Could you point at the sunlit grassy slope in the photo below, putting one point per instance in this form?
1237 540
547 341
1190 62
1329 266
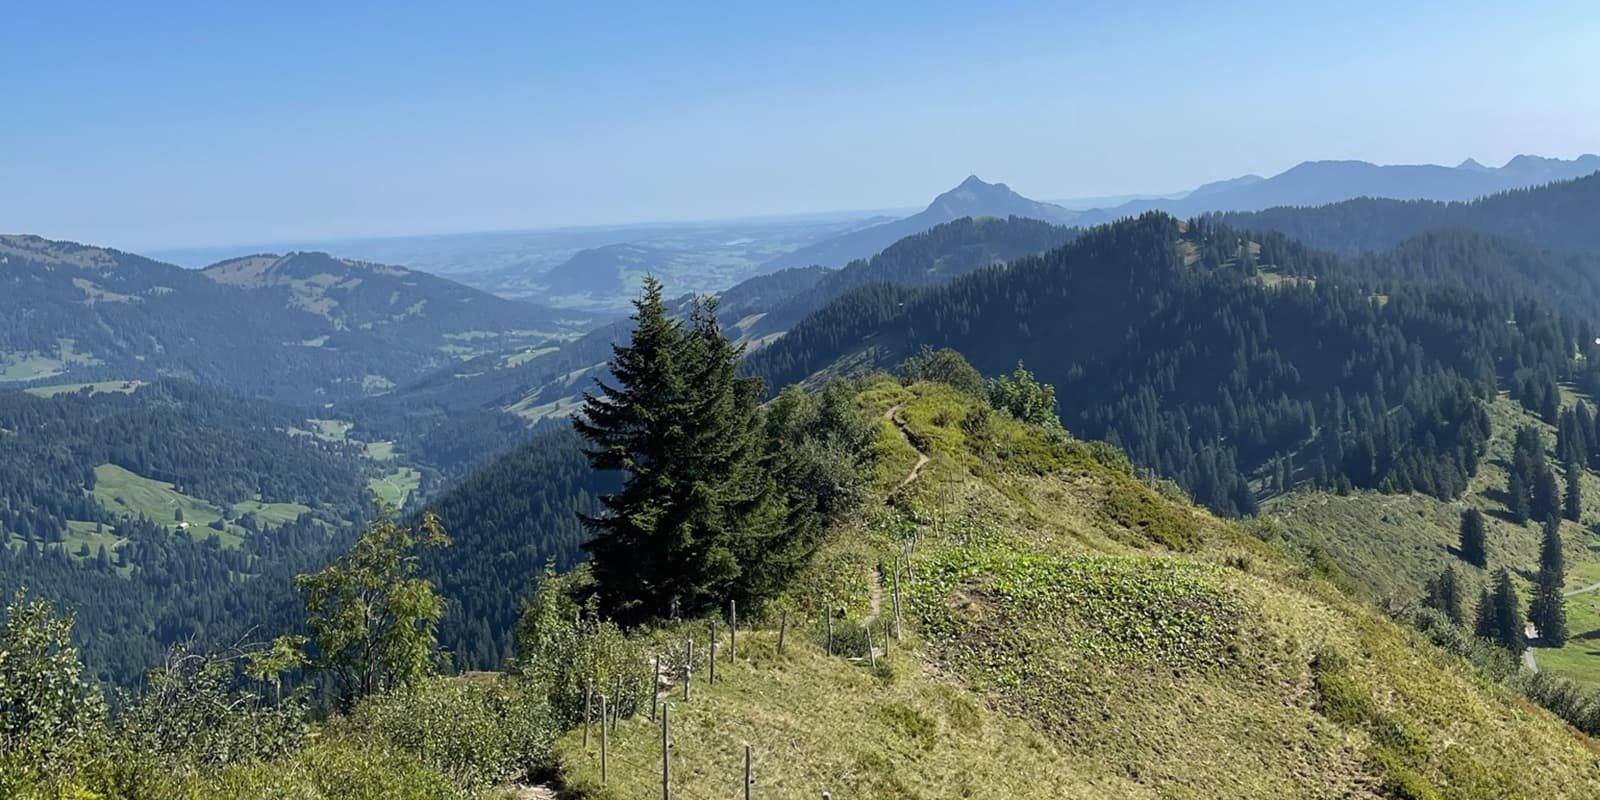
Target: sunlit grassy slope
1071 633
1390 545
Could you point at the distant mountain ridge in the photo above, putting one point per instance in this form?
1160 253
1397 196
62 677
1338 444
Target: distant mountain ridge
1562 215
971 198
300 327
1313 183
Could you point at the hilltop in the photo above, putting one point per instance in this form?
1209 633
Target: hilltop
1068 632
972 198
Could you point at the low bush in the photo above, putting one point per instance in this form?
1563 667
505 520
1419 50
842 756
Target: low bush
477 733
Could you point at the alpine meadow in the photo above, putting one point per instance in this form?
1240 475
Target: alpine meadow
514 403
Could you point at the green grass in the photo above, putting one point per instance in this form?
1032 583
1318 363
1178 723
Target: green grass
380 450
396 486
124 492
28 367
101 387
518 359
1058 646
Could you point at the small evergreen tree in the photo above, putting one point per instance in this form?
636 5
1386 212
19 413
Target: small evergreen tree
1474 545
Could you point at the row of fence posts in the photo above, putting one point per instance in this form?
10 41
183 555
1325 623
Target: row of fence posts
663 709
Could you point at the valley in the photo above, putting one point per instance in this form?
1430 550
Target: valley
1219 471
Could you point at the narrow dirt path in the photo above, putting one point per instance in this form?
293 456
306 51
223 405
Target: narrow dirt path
1585 590
875 604
922 458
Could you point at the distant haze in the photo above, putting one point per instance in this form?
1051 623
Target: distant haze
139 127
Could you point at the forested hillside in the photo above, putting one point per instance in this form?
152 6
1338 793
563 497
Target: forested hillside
168 511
507 522
1219 360
301 328
1559 215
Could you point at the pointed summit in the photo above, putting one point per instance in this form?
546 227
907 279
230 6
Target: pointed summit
1472 164
973 197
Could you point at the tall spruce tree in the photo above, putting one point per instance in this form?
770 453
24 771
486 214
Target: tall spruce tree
1546 500
699 519
642 544
1548 610
1508 627
1474 544
1517 503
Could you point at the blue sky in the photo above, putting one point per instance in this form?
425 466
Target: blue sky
155 125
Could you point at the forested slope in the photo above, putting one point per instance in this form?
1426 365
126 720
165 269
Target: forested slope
1559 215
1213 357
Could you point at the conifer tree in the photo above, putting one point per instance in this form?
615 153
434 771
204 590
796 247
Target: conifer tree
642 545
1517 496
1474 545
700 518
1573 502
1508 627
1546 500
1547 610
1444 594
1483 621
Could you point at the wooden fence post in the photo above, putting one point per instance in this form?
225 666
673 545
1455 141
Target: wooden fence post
666 761
603 771
588 704
747 780
733 630
688 669
783 629
655 689
897 596
830 631
711 677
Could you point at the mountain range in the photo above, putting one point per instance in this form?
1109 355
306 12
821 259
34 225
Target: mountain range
304 326
1309 183
1313 183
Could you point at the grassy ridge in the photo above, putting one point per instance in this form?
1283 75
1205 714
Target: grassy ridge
1071 633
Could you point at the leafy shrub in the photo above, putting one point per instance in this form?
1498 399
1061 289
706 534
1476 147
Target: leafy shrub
477 733
563 656
191 713
51 719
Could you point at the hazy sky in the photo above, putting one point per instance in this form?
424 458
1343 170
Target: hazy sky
142 125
